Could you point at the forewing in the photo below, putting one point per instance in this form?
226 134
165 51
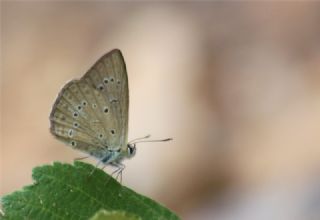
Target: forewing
109 76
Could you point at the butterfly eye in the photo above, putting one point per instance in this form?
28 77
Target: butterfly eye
131 150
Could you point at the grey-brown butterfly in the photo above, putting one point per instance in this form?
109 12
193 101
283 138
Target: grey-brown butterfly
91 114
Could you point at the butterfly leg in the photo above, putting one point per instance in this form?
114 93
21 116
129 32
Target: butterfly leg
118 171
81 158
96 168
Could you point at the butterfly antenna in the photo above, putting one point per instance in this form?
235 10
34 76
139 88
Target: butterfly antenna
140 138
161 140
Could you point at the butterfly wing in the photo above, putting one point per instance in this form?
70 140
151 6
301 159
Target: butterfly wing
109 76
91 118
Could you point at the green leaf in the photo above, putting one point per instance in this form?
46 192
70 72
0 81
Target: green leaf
64 191
114 215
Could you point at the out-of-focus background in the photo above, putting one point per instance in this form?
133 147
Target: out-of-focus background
237 85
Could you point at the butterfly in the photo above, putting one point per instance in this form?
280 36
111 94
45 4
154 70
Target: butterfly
90 114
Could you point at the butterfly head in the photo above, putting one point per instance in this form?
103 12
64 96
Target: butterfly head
131 150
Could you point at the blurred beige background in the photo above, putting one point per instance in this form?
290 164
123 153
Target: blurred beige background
237 85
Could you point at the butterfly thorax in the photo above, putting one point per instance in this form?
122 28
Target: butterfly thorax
112 156
116 156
